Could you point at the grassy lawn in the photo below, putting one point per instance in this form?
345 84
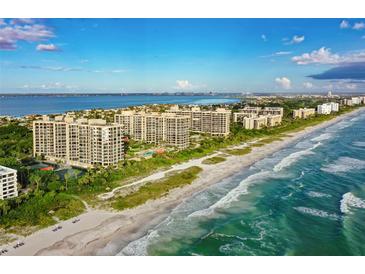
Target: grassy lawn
213 160
155 190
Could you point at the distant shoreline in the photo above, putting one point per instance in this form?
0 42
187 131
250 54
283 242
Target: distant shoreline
117 94
40 104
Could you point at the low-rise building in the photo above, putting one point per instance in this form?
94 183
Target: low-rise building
303 113
256 111
8 183
262 121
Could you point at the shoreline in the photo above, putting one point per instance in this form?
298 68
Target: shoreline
106 233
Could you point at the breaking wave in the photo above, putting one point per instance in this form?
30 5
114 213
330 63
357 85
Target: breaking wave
138 247
322 137
359 144
292 158
315 194
233 195
349 200
316 212
344 164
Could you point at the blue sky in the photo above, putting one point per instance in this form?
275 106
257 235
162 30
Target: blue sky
154 55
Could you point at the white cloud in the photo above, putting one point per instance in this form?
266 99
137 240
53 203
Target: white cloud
276 54
345 24
22 21
351 86
342 85
283 82
308 85
279 53
57 85
263 37
321 56
47 47
118 70
183 84
186 85
359 26
325 56
11 34
2 22
297 39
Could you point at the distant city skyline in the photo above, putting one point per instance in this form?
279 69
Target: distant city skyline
182 55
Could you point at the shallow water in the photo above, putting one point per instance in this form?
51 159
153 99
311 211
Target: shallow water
307 199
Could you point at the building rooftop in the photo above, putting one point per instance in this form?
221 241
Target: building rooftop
4 170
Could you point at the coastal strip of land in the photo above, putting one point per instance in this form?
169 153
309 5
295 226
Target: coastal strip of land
98 230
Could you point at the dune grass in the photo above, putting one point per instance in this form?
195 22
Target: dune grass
155 190
213 160
239 151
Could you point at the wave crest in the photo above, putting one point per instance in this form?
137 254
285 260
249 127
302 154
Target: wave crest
344 164
316 212
292 158
349 200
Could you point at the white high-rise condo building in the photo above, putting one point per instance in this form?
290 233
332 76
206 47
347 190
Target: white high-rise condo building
327 108
8 183
214 122
81 142
156 128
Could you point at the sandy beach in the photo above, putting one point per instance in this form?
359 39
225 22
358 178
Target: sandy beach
97 230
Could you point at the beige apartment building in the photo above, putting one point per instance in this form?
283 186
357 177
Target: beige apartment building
262 121
255 112
303 113
258 118
8 183
84 143
156 128
214 122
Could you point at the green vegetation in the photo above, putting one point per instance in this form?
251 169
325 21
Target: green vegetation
155 190
39 209
239 151
45 196
213 160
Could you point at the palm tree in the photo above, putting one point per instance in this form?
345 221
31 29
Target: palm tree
35 179
4 207
67 177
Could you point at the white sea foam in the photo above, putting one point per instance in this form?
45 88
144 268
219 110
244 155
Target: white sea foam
233 195
138 247
322 137
315 194
359 144
292 158
349 200
299 177
316 212
344 164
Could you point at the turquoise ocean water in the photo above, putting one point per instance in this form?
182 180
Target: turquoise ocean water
307 199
